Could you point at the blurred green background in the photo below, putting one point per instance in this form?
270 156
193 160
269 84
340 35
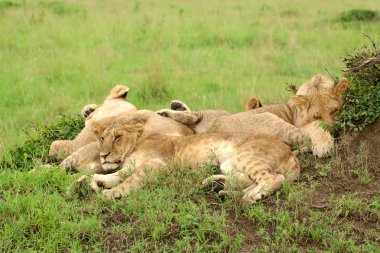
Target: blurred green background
57 56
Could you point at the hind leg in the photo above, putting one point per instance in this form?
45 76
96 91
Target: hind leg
267 184
269 179
264 161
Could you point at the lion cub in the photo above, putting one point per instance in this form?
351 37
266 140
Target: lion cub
256 164
318 100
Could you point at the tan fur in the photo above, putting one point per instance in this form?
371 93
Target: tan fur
87 157
318 84
114 105
255 164
253 103
322 103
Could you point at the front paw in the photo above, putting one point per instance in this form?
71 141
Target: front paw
177 105
164 112
100 181
88 109
323 149
112 194
217 182
97 182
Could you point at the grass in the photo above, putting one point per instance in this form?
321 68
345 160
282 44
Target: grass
60 55
172 215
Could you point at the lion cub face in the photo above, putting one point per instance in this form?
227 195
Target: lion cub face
323 106
116 142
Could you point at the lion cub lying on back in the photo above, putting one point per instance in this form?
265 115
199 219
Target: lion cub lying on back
257 164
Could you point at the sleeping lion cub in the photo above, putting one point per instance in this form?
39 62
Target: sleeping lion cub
256 164
318 100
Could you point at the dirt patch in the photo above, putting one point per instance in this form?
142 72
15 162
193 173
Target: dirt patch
353 173
357 156
241 225
369 136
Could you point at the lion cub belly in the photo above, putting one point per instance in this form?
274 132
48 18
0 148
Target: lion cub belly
203 149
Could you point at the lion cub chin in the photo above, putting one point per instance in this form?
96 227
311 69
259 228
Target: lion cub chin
253 165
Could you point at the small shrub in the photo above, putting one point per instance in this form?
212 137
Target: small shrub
358 15
35 148
362 106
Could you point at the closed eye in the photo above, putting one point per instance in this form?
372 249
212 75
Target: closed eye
117 138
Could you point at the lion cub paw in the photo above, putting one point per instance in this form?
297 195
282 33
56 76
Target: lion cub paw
164 112
88 109
323 149
100 181
217 182
112 194
251 198
177 105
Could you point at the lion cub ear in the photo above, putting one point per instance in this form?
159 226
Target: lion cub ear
97 129
253 103
341 87
119 91
300 101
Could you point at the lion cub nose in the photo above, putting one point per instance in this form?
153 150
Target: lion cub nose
103 156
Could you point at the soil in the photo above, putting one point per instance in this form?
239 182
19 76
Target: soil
369 136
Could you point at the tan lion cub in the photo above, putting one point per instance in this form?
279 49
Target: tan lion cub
257 164
114 105
321 103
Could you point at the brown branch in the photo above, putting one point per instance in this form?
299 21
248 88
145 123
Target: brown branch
291 87
367 63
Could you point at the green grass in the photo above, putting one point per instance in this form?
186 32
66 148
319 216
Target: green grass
60 55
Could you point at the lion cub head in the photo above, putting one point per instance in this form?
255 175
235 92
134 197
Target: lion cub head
117 139
318 84
115 104
321 103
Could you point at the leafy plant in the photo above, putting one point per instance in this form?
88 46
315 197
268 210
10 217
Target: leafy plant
39 136
362 105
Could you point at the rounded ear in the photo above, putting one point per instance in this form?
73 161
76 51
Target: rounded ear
301 101
119 91
341 87
316 80
253 103
97 129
